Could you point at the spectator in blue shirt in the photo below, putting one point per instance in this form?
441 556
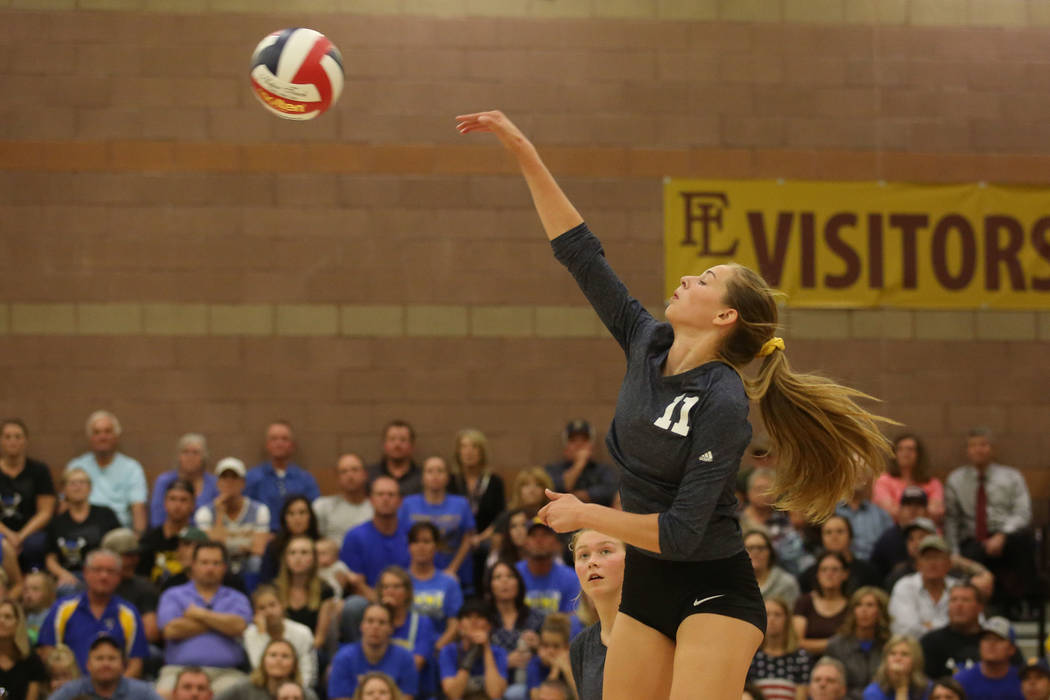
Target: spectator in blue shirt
994 678
413 630
435 593
371 547
106 676
273 481
550 586
191 462
117 481
78 621
374 652
473 664
368 549
203 621
868 521
451 514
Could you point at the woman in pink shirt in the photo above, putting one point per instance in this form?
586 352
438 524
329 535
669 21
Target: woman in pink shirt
910 466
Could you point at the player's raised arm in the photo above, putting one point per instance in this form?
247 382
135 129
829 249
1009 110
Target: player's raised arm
557 213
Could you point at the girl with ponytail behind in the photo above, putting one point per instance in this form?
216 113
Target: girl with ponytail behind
691 615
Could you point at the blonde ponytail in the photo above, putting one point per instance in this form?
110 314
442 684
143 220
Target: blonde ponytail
826 443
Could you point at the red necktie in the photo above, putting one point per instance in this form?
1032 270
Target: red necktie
981 515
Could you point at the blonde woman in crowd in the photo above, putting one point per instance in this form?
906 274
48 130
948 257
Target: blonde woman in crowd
279 665
376 685
22 674
900 675
61 667
306 598
474 478
530 486
599 561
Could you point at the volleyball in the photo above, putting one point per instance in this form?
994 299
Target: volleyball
297 73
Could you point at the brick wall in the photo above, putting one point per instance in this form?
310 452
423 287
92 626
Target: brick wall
173 253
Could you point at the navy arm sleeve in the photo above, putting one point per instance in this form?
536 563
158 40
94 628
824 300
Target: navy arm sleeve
581 252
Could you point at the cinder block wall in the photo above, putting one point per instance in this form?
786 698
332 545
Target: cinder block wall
171 252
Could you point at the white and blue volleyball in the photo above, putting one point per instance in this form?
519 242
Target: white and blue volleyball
297 73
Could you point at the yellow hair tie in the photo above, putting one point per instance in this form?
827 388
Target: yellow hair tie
770 345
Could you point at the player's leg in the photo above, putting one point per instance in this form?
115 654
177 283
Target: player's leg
711 658
639 662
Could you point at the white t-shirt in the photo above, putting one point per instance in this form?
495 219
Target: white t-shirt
253 518
336 515
297 634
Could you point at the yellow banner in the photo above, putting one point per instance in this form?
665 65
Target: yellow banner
866 244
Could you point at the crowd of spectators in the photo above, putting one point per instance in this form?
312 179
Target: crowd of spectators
422 579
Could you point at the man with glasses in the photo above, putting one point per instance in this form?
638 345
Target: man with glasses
78 621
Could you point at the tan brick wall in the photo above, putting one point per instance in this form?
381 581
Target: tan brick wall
173 253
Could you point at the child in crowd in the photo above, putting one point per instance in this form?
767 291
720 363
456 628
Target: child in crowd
269 623
552 658
331 568
38 594
61 666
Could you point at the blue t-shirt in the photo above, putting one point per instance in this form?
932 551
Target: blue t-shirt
536 672
980 687
209 492
454 518
555 592
448 661
118 485
127 688
438 597
874 692
416 635
71 622
263 484
350 663
368 551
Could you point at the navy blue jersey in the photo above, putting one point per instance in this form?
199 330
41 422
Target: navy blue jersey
678 439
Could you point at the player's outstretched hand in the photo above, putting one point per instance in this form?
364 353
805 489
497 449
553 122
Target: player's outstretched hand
493 122
563 513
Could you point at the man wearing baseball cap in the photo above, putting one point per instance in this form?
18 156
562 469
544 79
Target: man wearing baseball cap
890 549
919 601
1035 680
106 665
577 472
549 585
993 678
239 522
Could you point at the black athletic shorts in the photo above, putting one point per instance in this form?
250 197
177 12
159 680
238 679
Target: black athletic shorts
661 593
